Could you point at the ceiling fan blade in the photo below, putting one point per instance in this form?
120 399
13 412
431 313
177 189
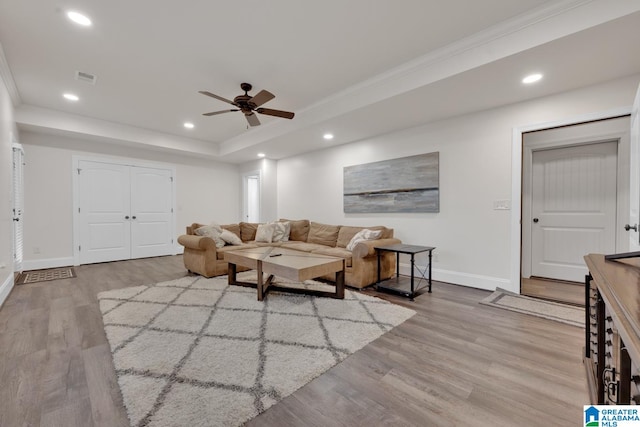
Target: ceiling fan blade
252 119
204 92
218 112
277 113
262 97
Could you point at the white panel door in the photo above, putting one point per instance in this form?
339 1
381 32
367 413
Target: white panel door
104 212
634 185
151 212
573 208
18 206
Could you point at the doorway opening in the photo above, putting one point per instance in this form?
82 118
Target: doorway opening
574 198
251 196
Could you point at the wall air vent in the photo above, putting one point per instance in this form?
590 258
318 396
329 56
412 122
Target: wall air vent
86 77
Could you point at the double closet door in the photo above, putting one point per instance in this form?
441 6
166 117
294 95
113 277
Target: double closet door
123 211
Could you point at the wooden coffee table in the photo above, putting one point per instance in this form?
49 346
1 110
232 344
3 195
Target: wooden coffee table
286 263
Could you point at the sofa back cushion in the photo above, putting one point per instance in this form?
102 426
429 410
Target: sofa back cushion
347 232
323 234
234 228
248 231
299 229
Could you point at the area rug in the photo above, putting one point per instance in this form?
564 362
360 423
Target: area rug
198 352
36 276
564 313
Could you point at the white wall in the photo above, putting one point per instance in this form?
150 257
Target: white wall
7 129
206 191
472 239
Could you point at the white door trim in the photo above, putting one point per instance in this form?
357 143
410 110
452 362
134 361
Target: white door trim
75 161
516 179
588 133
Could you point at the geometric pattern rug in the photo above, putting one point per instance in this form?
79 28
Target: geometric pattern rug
564 313
36 276
198 352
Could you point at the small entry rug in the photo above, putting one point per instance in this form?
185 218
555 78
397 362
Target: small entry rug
45 275
198 352
564 313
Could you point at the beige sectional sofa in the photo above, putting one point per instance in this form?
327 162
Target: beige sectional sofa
202 256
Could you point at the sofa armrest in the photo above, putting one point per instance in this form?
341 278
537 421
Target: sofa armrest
197 242
367 247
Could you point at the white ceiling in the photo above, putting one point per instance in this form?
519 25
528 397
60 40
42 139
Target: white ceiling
358 68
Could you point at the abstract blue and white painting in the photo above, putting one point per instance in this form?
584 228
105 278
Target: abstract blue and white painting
407 184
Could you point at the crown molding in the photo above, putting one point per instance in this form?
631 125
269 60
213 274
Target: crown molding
7 78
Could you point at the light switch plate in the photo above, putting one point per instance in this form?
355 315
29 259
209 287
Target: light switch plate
502 205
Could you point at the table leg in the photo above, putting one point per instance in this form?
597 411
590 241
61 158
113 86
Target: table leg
231 274
259 282
340 281
378 266
397 264
430 271
413 261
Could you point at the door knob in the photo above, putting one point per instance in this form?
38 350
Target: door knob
535 220
134 217
16 219
633 227
126 217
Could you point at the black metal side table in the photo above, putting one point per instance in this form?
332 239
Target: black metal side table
404 285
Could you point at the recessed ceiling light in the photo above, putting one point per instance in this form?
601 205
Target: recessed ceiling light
328 136
189 125
71 97
261 154
532 78
79 18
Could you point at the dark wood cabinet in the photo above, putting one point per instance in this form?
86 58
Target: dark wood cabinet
612 332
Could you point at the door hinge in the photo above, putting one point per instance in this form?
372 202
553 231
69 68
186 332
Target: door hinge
171 210
79 248
78 210
171 178
171 240
79 171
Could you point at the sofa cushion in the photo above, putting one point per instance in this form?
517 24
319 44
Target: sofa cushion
213 232
302 246
248 231
234 228
335 252
220 252
347 232
299 229
362 235
323 234
282 231
230 237
265 233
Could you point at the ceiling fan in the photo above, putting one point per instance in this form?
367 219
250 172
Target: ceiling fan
249 105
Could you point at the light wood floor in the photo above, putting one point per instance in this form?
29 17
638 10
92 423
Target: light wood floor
555 290
456 363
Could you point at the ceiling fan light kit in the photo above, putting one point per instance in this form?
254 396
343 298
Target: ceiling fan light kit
249 105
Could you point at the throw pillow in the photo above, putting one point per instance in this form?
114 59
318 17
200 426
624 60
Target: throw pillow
213 232
265 233
281 231
363 235
230 238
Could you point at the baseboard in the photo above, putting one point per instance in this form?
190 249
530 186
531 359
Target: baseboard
39 264
464 279
5 288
